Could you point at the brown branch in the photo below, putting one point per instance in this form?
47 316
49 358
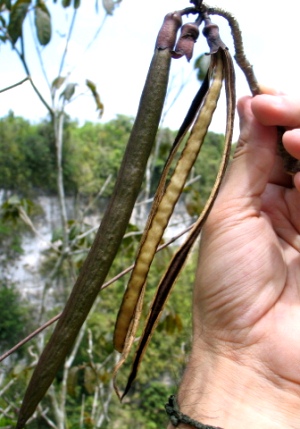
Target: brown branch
29 337
104 286
15 84
239 56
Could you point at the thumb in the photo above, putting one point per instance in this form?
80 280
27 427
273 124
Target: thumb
253 160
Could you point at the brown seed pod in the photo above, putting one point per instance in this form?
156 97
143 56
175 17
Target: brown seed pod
185 45
167 35
211 32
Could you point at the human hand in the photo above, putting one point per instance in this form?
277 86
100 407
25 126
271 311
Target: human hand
244 370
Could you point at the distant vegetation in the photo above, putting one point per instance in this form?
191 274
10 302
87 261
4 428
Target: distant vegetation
92 152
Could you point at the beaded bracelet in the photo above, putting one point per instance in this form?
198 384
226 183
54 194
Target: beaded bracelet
177 417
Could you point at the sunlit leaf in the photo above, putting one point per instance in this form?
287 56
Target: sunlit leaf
66 3
42 22
201 64
6 4
2 21
57 83
99 104
72 380
109 6
18 13
90 380
68 92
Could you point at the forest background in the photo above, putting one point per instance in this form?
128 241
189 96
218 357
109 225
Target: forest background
71 164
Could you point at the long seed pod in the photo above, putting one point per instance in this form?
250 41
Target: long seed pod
167 282
111 231
129 315
189 118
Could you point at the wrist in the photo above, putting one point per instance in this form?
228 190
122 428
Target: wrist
220 392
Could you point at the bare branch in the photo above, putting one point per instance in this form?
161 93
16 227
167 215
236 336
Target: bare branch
26 219
91 42
14 85
29 337
25 65
38 51
240 55
67 42
104 286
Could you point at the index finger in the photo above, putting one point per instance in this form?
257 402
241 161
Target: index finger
280 110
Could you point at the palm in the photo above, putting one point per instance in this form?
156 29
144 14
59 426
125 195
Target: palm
248 285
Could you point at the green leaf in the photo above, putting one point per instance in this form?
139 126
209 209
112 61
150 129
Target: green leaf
90 380
201 65
57 83
76 4
66 3
72 380
6 4
2 21
99 104
42 22
68 92
17 16
109 6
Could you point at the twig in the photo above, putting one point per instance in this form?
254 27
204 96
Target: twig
104 286
26 219
67 43
15 84
25 65
239 56
29 337
38 51
91 42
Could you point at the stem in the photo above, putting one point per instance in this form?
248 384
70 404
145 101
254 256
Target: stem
38 51
25 65
67 43
58 130
15 84
68 363
239 56
30 336
91 42
104 286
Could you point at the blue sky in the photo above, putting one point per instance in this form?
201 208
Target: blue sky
118 61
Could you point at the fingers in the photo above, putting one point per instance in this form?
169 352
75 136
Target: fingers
253 160
291 141
256 161
277 110
285 111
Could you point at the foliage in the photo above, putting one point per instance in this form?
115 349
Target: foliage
11 242
14 321
91 154
18 10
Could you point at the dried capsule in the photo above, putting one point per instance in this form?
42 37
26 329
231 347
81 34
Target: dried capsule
185 45
167 34
211 32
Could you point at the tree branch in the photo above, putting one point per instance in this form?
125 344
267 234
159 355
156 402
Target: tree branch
67 43
15 84
104 286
